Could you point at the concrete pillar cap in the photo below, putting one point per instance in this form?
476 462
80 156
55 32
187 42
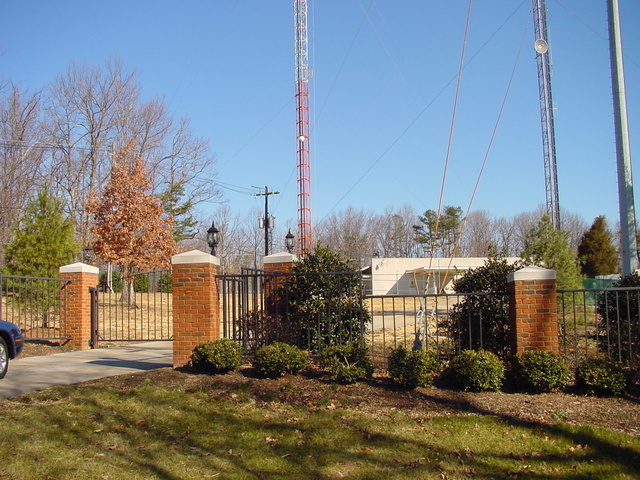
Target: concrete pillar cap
193 257
532 273
282 257
79 268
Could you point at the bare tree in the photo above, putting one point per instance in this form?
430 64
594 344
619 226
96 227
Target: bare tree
505 236
350 233
394 233
86 104
96 109
477 235
21 154
575 225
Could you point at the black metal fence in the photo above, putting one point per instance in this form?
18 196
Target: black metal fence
141 311
315 310
311 310
600 323
445 324
34 304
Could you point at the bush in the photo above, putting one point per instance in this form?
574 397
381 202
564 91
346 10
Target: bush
412 369
116 282
141 282
540 371
278 359
217 356
477 371
347 363
165 284
599 376
323 309
483 320
619 321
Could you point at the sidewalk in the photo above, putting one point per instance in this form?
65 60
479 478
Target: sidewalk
35 373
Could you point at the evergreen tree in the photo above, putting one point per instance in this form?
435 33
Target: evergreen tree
184 225
44 240
596 252
547 247
439 233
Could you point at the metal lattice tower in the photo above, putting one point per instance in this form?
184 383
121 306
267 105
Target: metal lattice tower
546 111
305 239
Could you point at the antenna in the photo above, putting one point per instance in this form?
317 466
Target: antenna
541 47
303 168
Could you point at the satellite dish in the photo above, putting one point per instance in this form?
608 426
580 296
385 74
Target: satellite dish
541 46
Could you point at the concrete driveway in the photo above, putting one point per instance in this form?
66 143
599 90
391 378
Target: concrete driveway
35 373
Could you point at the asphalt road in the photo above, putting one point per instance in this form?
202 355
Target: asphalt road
35 373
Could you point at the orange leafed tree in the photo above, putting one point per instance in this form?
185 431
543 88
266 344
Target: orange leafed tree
131 228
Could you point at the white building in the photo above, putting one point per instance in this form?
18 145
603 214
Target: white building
416 276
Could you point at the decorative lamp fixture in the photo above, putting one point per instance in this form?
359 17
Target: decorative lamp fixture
289 241
213 238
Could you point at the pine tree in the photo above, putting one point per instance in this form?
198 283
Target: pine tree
131 228
596 252
439 234
549 248
44 240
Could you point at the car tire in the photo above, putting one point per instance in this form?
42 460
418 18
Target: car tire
4 357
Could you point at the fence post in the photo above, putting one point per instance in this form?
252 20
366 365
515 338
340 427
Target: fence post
196 313
533 310
76 307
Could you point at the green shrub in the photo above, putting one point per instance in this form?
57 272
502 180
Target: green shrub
141 282
278 359
217 356
619 320
116 282
347 363
599 376
477 371
540 371
165 284
412 369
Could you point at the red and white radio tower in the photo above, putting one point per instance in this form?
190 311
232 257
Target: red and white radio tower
305 238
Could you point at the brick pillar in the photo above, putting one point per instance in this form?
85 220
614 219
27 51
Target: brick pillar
533 310
76 305
279 262
196 313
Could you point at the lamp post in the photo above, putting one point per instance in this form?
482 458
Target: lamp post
213 238
289 241
87 254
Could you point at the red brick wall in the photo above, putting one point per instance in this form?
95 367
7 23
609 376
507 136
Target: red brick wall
533 311
196 316
76 302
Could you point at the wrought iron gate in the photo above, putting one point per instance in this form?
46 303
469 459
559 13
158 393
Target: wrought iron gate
145 315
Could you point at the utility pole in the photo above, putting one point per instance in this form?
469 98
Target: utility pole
267 221
623 150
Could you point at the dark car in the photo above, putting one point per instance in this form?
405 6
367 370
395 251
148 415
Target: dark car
11 342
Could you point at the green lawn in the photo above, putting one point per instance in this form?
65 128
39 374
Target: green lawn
133 427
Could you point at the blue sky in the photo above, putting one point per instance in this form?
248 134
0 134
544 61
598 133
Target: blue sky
382 93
